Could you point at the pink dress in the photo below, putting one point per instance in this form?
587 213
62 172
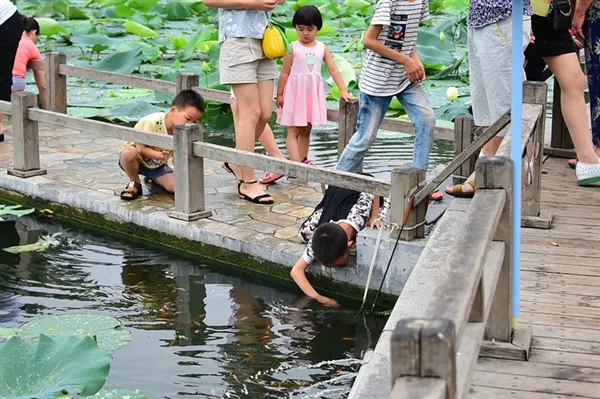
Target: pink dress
304 93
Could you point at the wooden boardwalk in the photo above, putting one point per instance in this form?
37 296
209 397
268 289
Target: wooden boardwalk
560 300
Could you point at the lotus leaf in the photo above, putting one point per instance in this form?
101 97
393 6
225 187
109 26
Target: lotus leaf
143 5
177 11
346 69
49 26
63 7
42 244
6 333
14 210
118 393
122 62
133 111
106 330
139 29
47 368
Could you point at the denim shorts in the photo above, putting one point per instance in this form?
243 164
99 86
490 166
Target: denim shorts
152 174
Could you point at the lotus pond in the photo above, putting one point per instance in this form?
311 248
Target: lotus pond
159 39
176 328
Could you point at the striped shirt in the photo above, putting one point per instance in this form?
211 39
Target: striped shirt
400 20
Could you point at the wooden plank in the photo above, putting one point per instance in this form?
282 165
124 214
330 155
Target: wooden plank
57 83
560 152
547 248
118 78
575 334
301 171
566 243
424 388
560 278
472 149
565 358
537 384
567 345
550 309
531 113
459 278
219 96
464 134
563 299
470 343
558 288
551 262
574 221
405 180
26 141
517 350
478 392
559 320
346 123
573 197
102 129
526 369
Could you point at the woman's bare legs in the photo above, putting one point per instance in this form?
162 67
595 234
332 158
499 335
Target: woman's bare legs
567 71
249 125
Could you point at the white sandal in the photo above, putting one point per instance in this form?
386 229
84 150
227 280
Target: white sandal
587 173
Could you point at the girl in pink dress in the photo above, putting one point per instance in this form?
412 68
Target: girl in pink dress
301 92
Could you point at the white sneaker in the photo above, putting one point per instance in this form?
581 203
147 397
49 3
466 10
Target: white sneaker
587 173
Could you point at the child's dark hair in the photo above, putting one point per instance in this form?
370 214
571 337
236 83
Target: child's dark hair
31 24
308 15
329 243
188 98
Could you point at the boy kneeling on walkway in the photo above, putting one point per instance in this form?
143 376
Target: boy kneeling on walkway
152 162
331 231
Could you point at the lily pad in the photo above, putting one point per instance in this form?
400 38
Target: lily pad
14 211
118 393
47 368
106 330
42 244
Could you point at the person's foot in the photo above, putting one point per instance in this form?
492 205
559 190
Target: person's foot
587 173
251 191
466 190
270 178
572 163
307 161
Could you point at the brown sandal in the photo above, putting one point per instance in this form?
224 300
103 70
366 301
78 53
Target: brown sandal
456 190
132 191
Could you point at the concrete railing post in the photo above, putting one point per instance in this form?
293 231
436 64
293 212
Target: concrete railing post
424 350
496 173
185 81
347 123
57 83
26 140
189 175
464 135
405 181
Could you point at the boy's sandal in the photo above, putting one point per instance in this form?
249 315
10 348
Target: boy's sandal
456 190
258 198
270 178
132 191
573 163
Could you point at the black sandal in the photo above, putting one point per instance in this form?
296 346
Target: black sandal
257 199
132 191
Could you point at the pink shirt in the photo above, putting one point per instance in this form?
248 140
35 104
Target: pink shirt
26 52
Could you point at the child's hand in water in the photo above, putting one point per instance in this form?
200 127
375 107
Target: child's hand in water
323 300
346 96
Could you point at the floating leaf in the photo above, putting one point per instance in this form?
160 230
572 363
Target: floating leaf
122 11
47 368
149 52
133 111
106 330
49 26
117 393
92 40
70 12
122 62
14 211
139 29
42 244
143 5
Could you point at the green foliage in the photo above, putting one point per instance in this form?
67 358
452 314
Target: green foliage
139 29
105 330
14 210
48 368
42 244
122 62
49 26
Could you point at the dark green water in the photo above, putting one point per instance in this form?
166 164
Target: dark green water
238 338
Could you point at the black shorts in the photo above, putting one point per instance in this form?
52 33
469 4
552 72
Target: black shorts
10 35
548 43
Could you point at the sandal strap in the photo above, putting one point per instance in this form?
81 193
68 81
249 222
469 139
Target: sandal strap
248 181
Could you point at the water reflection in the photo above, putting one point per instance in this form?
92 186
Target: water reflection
195 332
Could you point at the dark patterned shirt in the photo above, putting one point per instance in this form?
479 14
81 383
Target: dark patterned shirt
486 12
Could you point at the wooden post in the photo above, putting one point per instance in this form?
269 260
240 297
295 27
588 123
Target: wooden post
26 140
464 134
425 348
496 173
57 83
347 123
189 175
405 181
185 81
536 93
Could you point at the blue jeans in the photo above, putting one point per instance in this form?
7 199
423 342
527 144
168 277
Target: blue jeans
370 115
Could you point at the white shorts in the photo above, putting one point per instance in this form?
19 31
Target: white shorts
490 68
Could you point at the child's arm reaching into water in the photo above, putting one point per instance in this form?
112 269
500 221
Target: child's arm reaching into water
373 222
298 273
336 75
285 73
